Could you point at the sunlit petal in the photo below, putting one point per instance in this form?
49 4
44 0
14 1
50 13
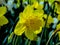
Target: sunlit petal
2 11
38 31
19 29
3 20
30 35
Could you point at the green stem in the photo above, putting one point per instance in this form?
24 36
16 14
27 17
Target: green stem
13 40
16 41
44 28
52 36
29 42
26 42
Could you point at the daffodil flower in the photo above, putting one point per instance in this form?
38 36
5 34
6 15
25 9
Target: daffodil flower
30 22
3 19
58 9
57 5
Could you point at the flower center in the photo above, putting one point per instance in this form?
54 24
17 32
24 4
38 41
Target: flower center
33 23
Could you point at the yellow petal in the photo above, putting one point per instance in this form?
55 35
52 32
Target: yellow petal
38 31
58 17
2 11
58 26
27 11
19 29
57 6
40 7
3 20
35 5
28 8
49 21
45 16
25 14
22 18
38 13
30 35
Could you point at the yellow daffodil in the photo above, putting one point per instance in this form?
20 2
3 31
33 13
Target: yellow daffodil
49 21
30 23
57 5
58 27
3 19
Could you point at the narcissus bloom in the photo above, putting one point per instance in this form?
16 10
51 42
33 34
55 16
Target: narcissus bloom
57 5
30 22
3 19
